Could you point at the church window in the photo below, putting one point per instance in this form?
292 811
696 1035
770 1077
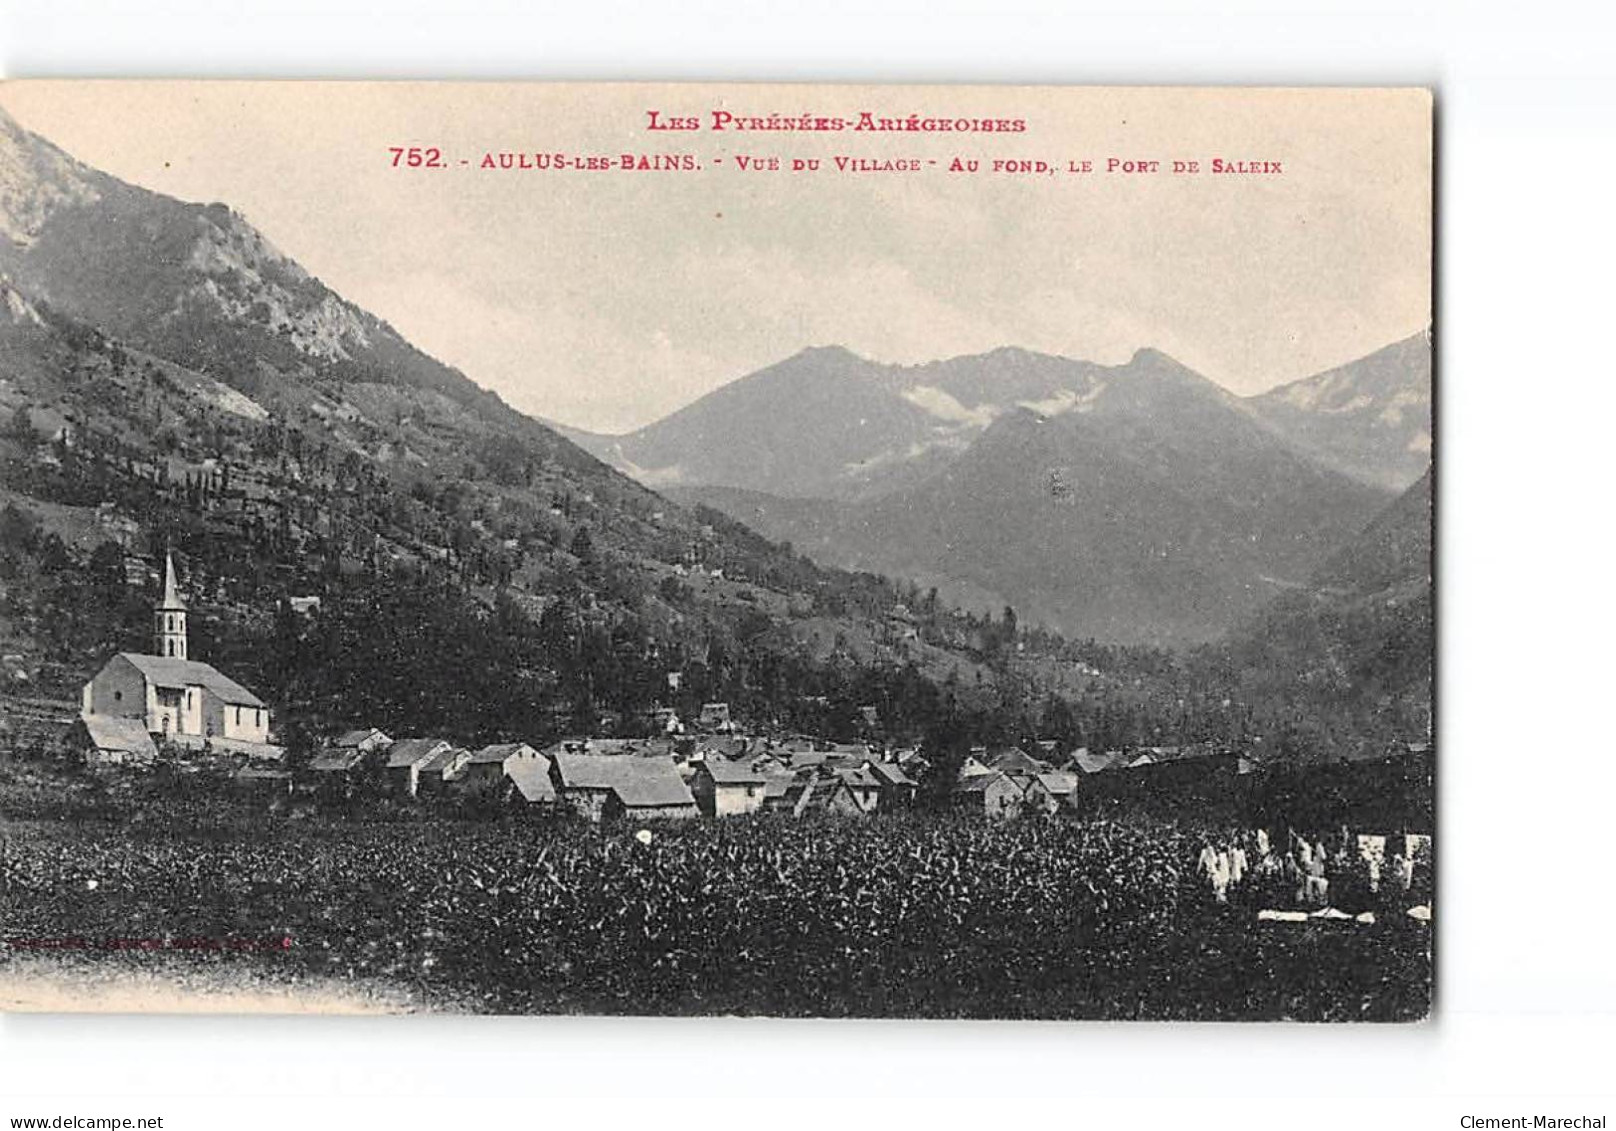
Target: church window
238 716
117 697
170 647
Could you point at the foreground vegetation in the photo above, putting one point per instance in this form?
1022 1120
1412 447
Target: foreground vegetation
912 917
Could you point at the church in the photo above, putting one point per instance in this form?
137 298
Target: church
182 700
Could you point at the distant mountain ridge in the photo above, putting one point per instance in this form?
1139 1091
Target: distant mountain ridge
826 423
1370 419
1138 502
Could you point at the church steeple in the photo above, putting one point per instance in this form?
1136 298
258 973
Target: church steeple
169 634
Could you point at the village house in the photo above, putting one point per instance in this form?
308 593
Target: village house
487 768
827 796
1048 791
781 789
405 759
992 794
973 766
434 775
897 788
603 788
337 770
714 717
175 696
665 720
1015 761
912 762
366 740
531 784
724 789
863 785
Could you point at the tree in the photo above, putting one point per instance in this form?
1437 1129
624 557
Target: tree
583 546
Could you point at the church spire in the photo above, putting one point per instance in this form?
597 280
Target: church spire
169 636
171 588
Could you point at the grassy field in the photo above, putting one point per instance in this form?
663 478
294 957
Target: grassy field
918 917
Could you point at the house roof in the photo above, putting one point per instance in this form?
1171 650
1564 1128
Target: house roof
531 777
1014 760
730 746
795 744
1094 763
819 794
355 737
777 785
262 773
801 758
890 774
441 760
613 745
409 751
725 772
859 778
337 760
1058 782
497 752
636 781
169 671
979 783
127 735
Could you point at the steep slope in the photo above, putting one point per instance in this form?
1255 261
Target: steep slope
1392 551
1370 419
1354 650
171 380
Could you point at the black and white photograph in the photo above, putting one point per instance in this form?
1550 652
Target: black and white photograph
692 549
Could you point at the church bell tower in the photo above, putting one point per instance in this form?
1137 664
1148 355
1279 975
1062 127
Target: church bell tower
169 632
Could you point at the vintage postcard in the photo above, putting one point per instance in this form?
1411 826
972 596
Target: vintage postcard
773 550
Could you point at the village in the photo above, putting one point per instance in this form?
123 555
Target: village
141 708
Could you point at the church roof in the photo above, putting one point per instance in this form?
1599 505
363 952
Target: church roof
128 735
171 590
170 671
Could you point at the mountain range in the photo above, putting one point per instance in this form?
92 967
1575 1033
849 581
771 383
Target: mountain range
168 378
1139 502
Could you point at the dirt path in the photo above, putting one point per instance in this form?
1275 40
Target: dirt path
50 985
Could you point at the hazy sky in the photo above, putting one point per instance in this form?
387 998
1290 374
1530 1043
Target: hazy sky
608 299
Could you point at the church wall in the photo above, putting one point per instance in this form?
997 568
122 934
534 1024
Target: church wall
221 720
119 689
